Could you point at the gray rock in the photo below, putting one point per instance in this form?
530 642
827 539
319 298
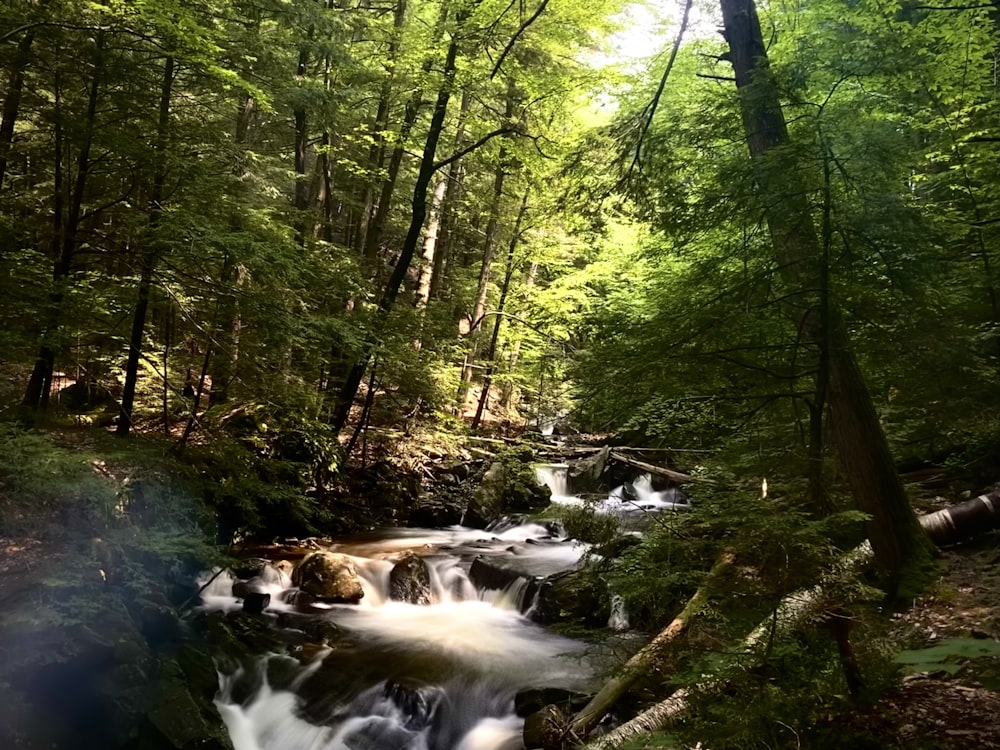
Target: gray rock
329 576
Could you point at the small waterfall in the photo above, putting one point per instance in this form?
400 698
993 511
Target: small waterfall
618 621
556 478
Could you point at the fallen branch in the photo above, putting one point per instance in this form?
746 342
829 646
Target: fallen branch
675 476
963 521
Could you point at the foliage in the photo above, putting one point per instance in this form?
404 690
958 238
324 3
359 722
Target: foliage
950 656
47 489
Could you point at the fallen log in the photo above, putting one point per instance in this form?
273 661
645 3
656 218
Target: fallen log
674 476
791 611
963 521
944 527
589 716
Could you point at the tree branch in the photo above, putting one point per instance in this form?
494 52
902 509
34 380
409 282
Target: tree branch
513 39
482 141
651 109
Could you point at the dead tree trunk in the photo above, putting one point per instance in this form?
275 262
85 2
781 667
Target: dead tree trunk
791 611
963 521
639 665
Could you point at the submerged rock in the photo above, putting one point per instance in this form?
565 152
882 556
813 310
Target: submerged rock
329 576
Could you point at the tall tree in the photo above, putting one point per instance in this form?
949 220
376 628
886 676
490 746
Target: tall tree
901 547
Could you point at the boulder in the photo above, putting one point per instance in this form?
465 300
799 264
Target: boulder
487 503
578 597
329 576
410 580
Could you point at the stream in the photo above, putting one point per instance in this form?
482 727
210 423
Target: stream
447 675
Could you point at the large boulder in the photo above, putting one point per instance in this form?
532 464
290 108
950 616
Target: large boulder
579 597
487 503
410 580
329 576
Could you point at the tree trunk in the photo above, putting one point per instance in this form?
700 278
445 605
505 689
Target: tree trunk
515 351
376 152
301 149
452 194
64 233
491 353
431 244
791 612
641 663
901 548
413 105
963 521
12 102
486 265
148 261
418 212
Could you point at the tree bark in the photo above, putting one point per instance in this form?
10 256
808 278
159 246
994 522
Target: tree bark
149 254
791 611
674 476
430 246
901 548
413 105
639 665
963 521
452 194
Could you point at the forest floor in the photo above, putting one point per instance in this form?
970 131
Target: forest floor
953 703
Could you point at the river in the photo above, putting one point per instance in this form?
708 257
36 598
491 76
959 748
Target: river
442 676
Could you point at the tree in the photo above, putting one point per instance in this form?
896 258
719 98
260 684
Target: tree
900 546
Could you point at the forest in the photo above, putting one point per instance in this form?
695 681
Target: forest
279 271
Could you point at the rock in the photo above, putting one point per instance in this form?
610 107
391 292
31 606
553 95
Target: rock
545 728
410 580
529 701
241 589
329 576
487 501
437 512
255 602
574 596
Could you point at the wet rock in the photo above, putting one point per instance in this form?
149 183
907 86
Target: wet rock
410 580
256 602
575 596
545 728
437 512
329 576
530 701
487 501
417 704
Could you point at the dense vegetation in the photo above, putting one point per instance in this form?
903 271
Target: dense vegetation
273 242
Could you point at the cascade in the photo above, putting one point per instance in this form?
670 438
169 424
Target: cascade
441 676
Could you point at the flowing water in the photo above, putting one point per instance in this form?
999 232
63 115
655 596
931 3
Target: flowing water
441 676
